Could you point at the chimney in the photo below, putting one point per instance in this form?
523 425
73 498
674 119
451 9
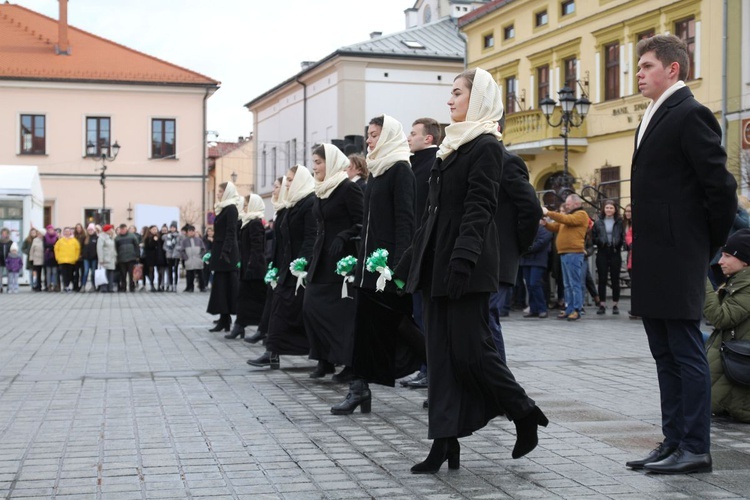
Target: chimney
375 34
63 46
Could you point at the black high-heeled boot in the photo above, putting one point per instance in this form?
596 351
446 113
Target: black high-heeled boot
237 331
323 369
359 395
266 359
225 323
256 338
526 432
442 449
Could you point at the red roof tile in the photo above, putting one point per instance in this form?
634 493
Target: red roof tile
27 52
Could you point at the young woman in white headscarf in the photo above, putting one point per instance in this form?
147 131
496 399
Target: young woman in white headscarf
224 256
295 237
277 200
328 313
453 261
387 343
252 291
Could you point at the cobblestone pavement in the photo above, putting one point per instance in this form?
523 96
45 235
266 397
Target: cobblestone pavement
129 396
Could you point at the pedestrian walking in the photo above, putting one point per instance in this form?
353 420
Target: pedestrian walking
295 240
225 254
684 203
328 312
387 342
454 260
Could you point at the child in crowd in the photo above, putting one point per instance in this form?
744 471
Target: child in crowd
13 264
191 250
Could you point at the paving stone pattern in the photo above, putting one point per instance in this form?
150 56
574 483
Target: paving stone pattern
128 396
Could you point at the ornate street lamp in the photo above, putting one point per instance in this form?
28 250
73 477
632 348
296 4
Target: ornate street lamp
574 111
104 155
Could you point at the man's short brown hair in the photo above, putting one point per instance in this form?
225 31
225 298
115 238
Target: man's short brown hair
430 126
668 49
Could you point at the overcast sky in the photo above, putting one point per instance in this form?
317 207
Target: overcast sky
250 46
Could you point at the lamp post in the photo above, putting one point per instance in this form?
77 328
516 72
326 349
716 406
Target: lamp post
574 111
104 155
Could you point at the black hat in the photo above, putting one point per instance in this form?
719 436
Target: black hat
738 245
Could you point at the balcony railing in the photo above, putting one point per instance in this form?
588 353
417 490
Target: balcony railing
531 127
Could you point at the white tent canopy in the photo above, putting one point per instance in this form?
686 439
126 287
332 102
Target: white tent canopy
21 180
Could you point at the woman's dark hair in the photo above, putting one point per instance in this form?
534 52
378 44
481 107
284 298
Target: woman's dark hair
467 75
280 180
319 150
224 185
378 120
609 202
294 168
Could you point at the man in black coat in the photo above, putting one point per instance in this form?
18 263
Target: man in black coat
517 220
684 201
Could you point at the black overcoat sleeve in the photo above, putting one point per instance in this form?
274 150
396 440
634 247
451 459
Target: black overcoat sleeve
404 203
515 184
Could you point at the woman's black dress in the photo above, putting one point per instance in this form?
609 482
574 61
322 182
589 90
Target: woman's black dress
224 257
252 294
295 237
329 318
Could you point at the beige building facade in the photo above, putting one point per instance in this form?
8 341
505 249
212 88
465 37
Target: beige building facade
533 48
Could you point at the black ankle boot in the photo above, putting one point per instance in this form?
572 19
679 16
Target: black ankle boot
323 369
344 376
237 331
267 359
359 394
442 449
526 432
225 323
256 338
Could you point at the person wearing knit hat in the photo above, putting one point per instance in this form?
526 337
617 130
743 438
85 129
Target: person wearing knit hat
454 262
13 265
728 310
387 342
225 254
294 244
328 311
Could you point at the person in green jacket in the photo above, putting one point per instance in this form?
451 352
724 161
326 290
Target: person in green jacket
728 309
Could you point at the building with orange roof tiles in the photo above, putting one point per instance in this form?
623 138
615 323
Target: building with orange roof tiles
68 96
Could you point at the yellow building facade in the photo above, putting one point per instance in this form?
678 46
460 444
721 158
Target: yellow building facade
533 48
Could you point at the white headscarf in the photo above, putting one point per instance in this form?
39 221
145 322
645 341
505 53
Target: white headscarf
485 110
302 185
391 148
336 165
279 203
230 197
256 209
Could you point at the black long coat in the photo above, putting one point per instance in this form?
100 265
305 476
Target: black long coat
388 220
421 165
252 247
338 216
517 216
225 252
459 222
295 238
684 202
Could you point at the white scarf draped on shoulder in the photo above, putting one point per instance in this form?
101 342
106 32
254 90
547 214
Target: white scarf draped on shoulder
230 197
485 110
302 185
392 147
336 165
256 209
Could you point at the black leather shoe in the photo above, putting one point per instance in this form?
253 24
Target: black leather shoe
681 462
237 331
359 395
253 339
267 359
659 453
323 369
421 383
407 381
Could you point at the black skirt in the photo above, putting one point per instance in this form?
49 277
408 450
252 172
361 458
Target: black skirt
286 330
469 383
387 342
329 321
224 291
250 302
265 318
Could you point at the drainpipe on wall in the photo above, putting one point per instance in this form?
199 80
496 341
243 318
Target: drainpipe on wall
205 165
304 119
724 78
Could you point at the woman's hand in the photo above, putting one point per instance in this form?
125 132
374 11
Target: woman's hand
459 275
